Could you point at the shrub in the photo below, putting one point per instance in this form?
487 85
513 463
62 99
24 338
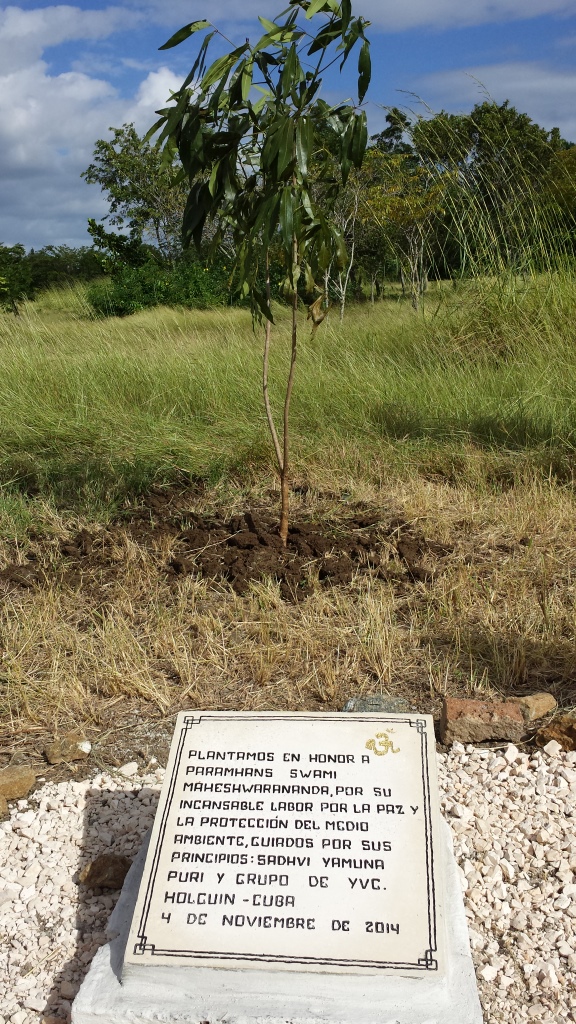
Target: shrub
187 283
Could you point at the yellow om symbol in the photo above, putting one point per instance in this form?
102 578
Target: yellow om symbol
382 745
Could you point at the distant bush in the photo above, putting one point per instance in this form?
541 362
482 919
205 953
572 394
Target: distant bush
187 283
59 265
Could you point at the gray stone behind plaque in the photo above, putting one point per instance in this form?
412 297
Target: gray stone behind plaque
196 995
378 705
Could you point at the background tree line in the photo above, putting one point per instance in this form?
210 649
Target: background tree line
444 197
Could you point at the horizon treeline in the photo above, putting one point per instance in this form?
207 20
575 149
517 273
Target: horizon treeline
439 197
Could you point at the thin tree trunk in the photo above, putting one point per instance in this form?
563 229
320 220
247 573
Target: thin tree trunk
269 416
344 285
284 472
413 260
414 287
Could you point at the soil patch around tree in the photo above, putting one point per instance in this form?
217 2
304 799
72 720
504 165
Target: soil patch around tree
246 548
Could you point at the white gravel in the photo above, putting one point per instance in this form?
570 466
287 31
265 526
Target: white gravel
513 816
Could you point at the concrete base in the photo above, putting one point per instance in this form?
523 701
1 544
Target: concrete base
207 995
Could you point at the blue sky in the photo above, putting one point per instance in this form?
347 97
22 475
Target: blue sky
70 71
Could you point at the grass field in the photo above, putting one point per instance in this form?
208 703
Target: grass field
460 420
481 384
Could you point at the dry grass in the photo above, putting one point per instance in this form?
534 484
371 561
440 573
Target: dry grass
498 617
460 422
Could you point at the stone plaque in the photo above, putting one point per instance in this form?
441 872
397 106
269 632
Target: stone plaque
295 842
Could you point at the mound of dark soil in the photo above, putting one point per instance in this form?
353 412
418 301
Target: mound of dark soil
240 550
248 548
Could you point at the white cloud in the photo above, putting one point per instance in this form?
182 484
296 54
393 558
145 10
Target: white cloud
546 93
394 16
48 127
385 14
49 123
153 93
24 35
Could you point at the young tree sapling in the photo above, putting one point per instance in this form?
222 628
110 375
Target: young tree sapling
245 130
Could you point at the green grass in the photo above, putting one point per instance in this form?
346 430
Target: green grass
479 388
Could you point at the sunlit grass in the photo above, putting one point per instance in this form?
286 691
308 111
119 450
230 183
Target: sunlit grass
482 381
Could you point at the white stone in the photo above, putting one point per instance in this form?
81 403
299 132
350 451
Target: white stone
488 973
507 870
519 921
8 895
35 1001
511 753
128 770
552 748
476 940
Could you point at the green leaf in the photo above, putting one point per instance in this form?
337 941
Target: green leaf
199 65
345 168
221 66
286 146
324 257
270 26
310 92
287 217
214 179
309 282
271 146
184 33
364 70
307 206
152 131
291 72
350 40
235 87
261 301
347 140
269 221
316 6
281 35
247 73
214 101
195 214
346 14
304 143
359 139
340 245
326 36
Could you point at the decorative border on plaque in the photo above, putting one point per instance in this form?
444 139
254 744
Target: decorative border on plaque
427 962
